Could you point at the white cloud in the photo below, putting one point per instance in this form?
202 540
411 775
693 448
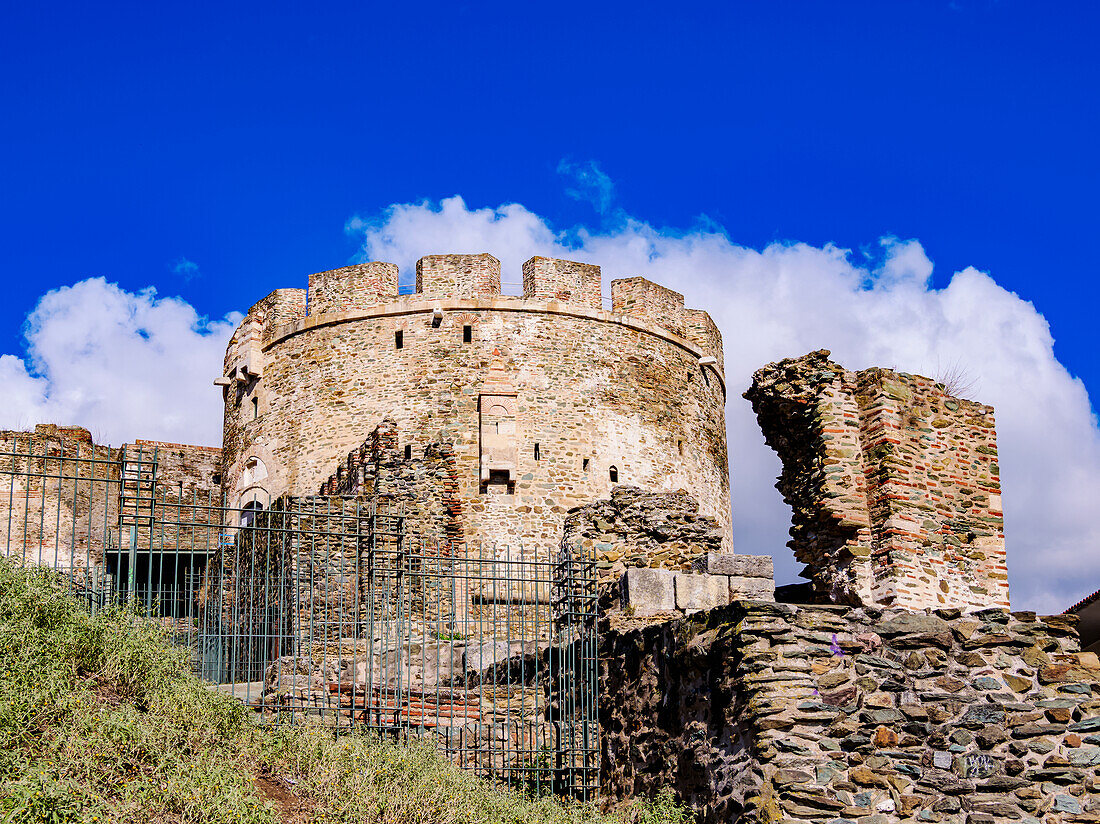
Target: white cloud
587 182
790 298
124 365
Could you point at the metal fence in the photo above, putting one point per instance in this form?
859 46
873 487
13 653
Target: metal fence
328 609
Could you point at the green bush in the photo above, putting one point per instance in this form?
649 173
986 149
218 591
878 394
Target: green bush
101 720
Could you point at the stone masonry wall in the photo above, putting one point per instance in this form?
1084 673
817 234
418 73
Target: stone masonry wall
593 398
424 484
718 579
243 389
634 528
894 484
352 288
763 712
59 496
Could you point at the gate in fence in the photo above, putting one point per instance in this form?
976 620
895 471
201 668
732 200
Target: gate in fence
326 608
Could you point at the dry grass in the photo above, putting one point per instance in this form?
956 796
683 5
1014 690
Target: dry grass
100 721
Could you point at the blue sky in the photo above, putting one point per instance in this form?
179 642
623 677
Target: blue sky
217 153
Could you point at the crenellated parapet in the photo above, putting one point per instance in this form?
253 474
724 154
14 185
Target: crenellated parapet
700 330
646 300
548 397
562 280
352 288
570 284
458 276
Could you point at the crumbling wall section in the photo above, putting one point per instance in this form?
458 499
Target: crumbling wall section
894 484
635 528
58 497
423 481
763 712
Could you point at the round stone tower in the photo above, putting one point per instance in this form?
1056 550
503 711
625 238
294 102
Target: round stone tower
548 399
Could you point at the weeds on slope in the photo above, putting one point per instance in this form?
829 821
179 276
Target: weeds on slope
101 721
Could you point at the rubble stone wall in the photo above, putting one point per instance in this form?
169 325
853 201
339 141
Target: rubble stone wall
424 484
894 484
53 511
635 528
761 712
59 495
599 398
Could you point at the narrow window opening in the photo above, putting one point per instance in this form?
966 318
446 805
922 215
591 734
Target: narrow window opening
584 464
255 408
706 377
408 452
399 339
536 451
613 472
467 334
680 447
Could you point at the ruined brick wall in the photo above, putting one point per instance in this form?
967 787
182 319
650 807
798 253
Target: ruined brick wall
424 484
185 472
894 484
773 713
59 496
599 394
55 510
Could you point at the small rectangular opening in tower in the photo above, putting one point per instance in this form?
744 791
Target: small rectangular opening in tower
408 452
536 451
399 339
584 464
467 334
255 408
499 482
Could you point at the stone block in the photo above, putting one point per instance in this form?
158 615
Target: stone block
648 591
745 566
751 589
482 656
696 592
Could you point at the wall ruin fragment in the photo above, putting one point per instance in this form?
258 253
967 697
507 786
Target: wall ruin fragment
762 712
894 484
